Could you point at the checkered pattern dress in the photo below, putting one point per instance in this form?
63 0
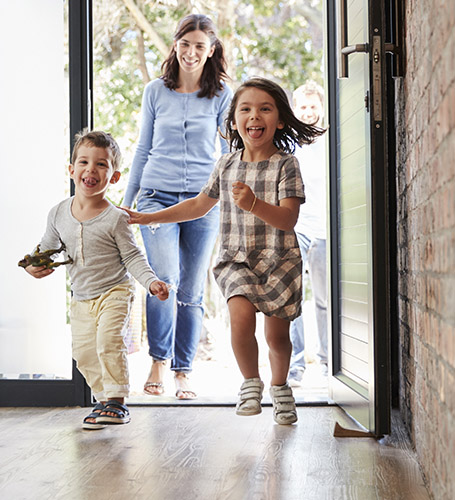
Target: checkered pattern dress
257 260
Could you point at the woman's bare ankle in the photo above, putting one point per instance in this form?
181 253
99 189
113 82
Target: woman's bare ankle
157 371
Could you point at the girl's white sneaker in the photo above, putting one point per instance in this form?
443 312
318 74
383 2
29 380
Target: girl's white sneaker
284 410
250 397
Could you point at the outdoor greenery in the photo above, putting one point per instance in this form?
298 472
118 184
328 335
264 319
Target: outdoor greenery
281 40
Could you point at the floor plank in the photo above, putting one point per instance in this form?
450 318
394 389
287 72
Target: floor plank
170 453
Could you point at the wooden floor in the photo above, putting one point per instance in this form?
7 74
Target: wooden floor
203 453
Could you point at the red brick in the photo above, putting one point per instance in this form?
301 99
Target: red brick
443 117
447 335
426 237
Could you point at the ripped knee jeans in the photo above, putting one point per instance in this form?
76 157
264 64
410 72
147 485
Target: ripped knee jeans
180 255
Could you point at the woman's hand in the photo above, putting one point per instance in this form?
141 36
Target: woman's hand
159 289
243 196
138 217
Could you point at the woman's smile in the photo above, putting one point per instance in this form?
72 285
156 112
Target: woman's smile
189 61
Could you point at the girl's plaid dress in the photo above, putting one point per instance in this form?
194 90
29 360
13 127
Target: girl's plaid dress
256 260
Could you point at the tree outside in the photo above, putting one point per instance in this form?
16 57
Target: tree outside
280 40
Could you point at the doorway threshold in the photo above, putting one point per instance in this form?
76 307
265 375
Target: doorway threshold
217 383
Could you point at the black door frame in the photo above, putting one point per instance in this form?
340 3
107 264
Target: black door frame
74 392
394 13
384 221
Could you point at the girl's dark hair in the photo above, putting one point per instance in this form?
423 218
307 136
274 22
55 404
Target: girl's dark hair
215 67
294 131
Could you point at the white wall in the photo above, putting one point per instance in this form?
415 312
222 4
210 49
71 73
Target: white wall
34 337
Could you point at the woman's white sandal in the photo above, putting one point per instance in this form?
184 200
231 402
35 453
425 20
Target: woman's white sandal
250 396
284 410
155 388
182 386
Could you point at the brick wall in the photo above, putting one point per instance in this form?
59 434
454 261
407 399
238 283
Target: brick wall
425 113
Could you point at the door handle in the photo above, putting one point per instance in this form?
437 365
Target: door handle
345 49
350 49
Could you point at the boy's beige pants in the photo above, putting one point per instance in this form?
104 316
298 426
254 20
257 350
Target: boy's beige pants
98 328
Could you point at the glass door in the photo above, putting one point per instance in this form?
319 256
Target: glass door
359 232
36 366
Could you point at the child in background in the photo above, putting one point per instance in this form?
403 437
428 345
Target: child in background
104 253
259 266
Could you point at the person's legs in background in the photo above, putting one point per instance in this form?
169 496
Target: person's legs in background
297 366
317 266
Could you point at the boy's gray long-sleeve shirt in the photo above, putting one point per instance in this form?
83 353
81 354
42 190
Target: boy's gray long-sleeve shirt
103 249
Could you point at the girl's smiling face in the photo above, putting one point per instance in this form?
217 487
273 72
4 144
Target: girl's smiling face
256 119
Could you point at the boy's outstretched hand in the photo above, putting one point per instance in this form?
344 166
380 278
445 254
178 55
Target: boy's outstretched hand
159 289
39 272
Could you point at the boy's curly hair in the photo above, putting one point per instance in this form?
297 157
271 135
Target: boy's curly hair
98 139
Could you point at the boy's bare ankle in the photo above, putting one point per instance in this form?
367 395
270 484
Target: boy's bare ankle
114 398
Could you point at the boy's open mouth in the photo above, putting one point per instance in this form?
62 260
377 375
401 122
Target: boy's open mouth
89 181
255 132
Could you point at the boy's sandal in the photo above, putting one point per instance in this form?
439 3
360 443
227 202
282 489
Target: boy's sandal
121 412
250 397
284 410
94 415
183 390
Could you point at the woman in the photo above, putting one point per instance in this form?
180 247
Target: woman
181 113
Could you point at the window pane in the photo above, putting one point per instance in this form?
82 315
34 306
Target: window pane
34 336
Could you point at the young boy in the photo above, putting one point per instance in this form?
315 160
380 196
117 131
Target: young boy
101 244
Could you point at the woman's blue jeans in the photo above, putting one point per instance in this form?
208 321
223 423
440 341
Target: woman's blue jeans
179 253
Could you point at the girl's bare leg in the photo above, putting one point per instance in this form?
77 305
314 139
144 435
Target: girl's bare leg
243 340
280 348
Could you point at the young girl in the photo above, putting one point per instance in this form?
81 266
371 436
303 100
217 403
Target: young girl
259 266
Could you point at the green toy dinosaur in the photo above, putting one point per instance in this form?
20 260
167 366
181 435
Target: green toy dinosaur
39 259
